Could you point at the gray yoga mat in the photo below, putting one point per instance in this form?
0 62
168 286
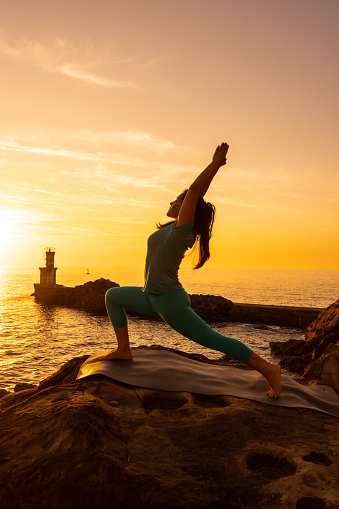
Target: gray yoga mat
168 371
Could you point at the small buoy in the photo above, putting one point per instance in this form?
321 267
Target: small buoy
87 271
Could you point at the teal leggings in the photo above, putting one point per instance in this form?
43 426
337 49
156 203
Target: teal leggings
175 309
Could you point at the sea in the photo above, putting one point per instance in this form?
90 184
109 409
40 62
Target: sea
36 340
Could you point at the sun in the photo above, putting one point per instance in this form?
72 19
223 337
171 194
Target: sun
8 230
7 235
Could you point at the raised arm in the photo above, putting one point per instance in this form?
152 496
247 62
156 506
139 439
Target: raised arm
201 185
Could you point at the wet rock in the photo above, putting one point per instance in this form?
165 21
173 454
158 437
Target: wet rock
76 444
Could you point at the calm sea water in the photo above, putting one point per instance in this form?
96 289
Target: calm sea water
36 340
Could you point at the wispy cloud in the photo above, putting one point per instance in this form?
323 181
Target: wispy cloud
105 143
81 74
126 138
13 146
60 55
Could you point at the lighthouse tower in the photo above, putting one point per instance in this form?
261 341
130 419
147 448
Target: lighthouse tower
48 273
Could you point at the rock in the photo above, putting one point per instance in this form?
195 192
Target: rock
286 348
89 296
324 370
23 387
295 363
67 373
293 354
323 331
63 445
211 307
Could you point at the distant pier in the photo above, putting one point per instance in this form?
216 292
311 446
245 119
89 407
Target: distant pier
284 316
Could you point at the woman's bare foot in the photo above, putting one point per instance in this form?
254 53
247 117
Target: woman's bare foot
119 353
272 373
273 376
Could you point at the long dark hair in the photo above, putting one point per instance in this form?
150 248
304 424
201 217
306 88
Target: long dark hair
203 224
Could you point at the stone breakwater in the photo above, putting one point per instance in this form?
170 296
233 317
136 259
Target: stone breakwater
91 297
70 443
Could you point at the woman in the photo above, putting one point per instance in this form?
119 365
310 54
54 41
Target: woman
164 296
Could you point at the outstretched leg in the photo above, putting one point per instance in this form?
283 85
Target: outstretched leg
175 309
116 300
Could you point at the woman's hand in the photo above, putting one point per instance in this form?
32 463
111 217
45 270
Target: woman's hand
219 156
201 184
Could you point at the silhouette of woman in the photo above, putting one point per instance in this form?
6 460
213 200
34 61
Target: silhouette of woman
163 294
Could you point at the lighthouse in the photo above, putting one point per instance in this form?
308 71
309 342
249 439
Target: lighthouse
48 273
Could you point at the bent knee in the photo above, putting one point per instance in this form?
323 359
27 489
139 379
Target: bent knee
111 293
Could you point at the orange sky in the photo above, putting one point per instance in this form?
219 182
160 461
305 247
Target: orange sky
109 110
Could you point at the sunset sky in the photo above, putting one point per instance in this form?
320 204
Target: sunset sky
110 109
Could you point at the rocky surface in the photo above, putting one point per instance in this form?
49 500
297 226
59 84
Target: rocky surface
316 359
98 443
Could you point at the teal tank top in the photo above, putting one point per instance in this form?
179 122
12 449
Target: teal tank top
165 250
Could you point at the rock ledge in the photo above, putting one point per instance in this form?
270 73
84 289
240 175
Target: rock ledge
71 443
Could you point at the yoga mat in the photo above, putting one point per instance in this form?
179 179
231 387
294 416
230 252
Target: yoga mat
168 371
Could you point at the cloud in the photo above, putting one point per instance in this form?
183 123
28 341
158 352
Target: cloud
98 168
71 71
125 138
45 55
60 55
13 146
105 144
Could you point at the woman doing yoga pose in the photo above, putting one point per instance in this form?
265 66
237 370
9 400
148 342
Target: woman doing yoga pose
163 294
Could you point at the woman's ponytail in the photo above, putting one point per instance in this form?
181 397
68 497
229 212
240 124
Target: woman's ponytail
203 225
